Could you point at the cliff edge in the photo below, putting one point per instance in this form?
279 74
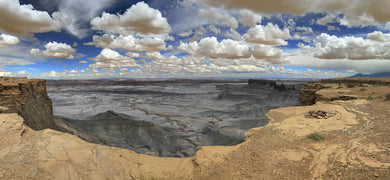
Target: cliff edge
311 93
332 139
29 99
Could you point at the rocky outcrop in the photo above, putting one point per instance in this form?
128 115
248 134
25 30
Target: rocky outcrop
261 82
264 82
308 96
28 98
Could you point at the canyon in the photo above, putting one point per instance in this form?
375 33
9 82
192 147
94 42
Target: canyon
170 118
355 141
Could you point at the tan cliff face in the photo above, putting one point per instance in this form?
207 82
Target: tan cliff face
355 145
29 99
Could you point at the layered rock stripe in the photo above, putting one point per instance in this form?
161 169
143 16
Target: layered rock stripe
29 99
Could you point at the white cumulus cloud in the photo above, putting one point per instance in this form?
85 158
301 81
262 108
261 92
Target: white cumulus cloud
269 35
129 43
190 48
185 34
55 50
210 47
110 60
249 18
354 48
217 16
24 19
230 49
328 18
379 36
35 52
358 20
233 34
261 51
227 48
139 18
8 40
214 29
357 12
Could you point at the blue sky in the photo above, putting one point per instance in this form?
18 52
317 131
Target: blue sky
193 38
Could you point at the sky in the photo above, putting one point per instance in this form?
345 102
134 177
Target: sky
89 39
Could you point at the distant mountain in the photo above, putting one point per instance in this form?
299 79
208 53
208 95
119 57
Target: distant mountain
383 74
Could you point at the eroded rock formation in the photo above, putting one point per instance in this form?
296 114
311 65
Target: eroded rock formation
270 83
167 120
28 98
308 93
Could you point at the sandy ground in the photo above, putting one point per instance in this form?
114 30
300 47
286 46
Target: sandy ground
356 145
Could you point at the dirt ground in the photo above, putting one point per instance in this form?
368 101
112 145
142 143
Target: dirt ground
355 145
356 141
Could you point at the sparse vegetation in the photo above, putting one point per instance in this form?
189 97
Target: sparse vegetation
315 136
350 85
363 89
339 87
388 97
370 98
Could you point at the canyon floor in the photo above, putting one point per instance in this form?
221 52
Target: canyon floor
164 118
351 119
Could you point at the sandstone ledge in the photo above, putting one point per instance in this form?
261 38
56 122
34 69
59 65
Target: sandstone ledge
28 98
356 145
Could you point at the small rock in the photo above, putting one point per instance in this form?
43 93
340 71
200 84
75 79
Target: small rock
319 114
